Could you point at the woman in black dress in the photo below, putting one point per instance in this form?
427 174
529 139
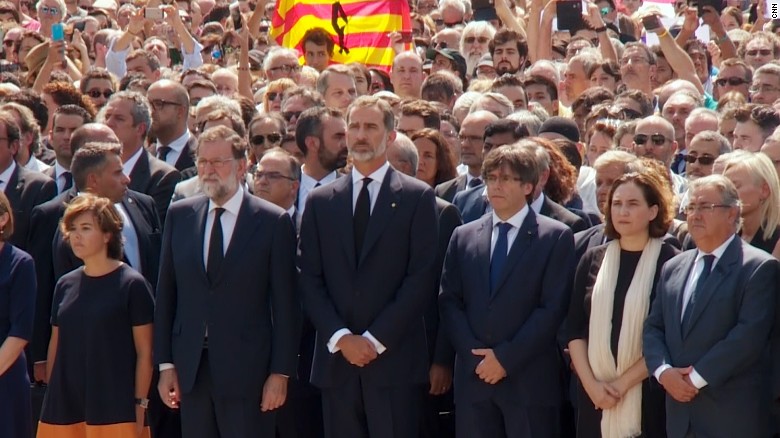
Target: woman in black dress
610 301
100 354
17 306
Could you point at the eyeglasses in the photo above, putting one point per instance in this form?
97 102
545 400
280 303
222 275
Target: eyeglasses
762 52
95 94
765 88
704 160
503 179
703 208
481 40
289 115
733 81
273 176
273 95
452 24
260 139
50 10
217 163
657 139
160 103
285 68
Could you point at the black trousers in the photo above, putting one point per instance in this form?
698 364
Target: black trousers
206 415
497 419
356 410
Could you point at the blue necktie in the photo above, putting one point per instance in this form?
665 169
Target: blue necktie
705 274
498 261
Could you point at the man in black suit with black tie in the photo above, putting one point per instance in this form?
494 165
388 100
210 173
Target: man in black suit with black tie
170 108
504 292
367 253
226 317
66 120
24 188
128 114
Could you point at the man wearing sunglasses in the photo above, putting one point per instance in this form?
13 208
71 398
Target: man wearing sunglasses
654 138
734 75
703 150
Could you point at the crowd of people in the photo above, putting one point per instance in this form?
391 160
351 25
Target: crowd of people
515 230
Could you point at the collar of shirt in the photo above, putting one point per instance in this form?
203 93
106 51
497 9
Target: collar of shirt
291 211
178 145
127 167
516 220
378 175
718 253
59 170
469 177
5 176
538 203
232 206
308 182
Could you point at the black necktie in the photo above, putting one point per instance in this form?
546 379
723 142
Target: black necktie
162 152
68 181
317 185
214 261
709 259
500 253
678 160
362 215
475 182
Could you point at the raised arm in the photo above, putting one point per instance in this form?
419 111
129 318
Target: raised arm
593 18
544 44
680 62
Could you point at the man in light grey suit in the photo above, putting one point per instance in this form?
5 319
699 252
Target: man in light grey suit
706 338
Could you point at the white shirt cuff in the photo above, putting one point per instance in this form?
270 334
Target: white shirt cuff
334 339
166 366
660 370
377 345
697 380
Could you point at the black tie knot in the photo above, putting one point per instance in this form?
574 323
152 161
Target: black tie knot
163 151
475 182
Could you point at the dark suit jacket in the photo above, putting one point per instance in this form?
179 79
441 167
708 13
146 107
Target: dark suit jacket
594 236
561 214
384 291
51 172
519 320
471 203
143 213
186 159
155 178
25 190
250 310
448 189
726 341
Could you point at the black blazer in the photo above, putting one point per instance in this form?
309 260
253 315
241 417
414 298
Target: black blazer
25 190
726 341
155 178
385 291
519 320
561 214
186 159
448 189
250 310
471 203
143 213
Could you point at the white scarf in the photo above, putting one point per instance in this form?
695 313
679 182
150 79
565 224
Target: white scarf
624 420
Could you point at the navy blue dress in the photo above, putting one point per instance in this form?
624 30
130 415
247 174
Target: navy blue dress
17 308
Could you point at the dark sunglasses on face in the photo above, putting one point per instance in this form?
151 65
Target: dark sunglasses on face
734 82
763 52
704 160
481 40
440 45
438 22
260 139
273 95
657 139
624 114
95 94
288 115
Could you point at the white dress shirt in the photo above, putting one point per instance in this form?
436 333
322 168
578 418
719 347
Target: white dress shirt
36 165
131 248
5 176
538 203
698 267
307 185
177 146
127 166
515 221
373 191
59 176
116 62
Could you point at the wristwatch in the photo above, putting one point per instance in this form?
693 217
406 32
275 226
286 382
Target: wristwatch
142 402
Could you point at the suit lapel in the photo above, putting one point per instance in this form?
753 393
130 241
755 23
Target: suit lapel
14 187
341 199
677 283
722 269
387 201
140 173
198 217
462 183
523 240
246 224
483 240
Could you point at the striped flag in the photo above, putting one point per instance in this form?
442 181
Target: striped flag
359 28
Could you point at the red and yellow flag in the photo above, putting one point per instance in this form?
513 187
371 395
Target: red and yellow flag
359 28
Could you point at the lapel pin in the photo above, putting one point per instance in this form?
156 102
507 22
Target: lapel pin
393 205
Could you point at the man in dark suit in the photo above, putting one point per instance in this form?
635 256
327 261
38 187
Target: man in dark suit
24 188
226 318
128 114
367 253
706 337
66 120
170 107
471 134
504 292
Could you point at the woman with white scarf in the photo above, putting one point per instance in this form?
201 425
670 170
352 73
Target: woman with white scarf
613 289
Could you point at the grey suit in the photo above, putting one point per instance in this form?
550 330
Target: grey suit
725 341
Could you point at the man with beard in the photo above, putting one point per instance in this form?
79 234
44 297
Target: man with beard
637 66
321 136
474 43
509 51
226 324
407 75
170 108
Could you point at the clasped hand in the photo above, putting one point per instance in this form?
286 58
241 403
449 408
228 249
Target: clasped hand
489 369
677 382
358 351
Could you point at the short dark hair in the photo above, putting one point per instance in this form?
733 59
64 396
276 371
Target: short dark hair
90 158
106 215
151 60
425 110
96 73
520 160
71 110
591 97
655 192
438 87
505 35
310 124
32 100
762 115
507 126
645 104
552 87
318 36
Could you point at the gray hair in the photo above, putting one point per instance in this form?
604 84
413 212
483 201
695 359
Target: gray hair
529 120
728 193
724 147
277 52
141 111
498 98
458 4
407 148
473 28
219 102
60 4
609 158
